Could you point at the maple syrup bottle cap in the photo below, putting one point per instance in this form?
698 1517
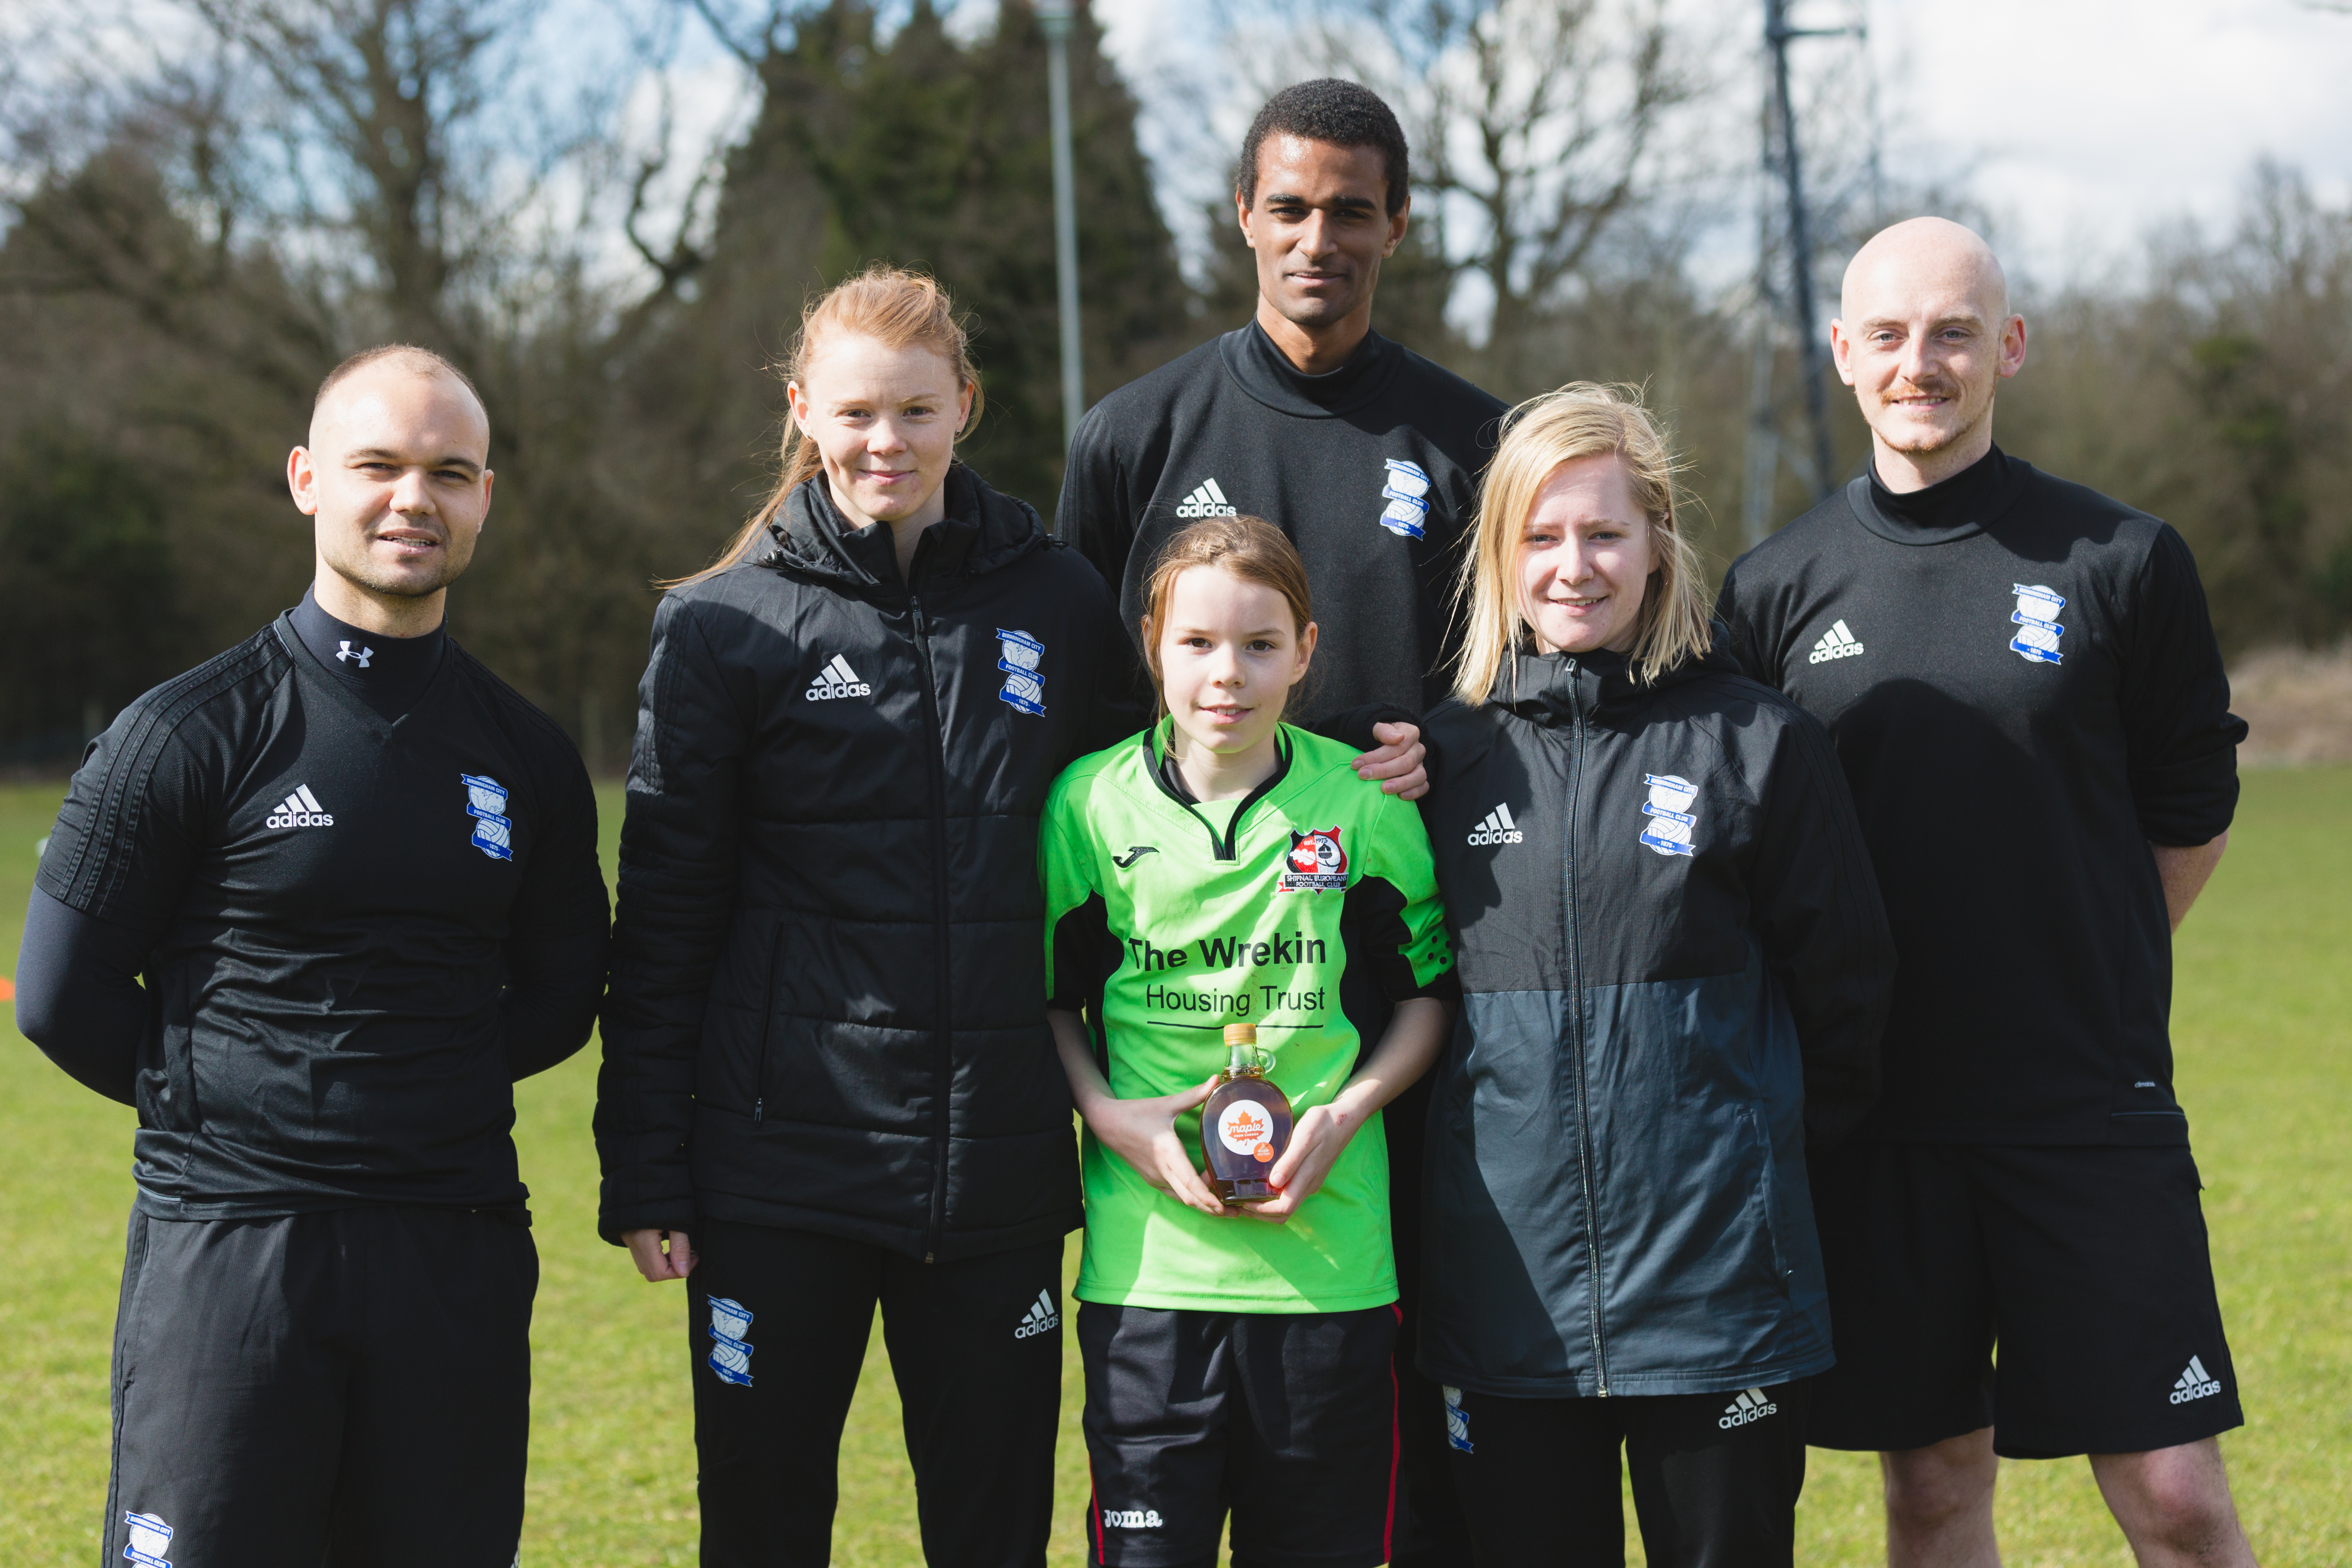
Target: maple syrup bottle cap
1241 1034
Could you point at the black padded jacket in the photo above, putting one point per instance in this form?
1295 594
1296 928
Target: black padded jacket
1673 966
827 1010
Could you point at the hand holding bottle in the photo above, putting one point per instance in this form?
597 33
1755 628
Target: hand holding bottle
1316 1143
1143 1133
1415 1031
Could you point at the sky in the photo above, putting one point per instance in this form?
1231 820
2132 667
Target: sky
2077 125
2083 123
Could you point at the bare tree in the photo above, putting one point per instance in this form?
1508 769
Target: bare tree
1538 122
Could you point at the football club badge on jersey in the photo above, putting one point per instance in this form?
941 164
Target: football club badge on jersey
1457 1422
1316 864
1668 809
1019 654
731 1341
1406 490
149 1538
2036 618
486 803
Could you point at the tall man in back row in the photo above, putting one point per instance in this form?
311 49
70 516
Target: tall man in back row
1367 456
359 876
2023 687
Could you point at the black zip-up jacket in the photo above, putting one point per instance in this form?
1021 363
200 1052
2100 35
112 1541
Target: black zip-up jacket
827 1009
1673 962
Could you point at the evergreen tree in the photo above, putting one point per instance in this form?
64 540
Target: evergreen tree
928 152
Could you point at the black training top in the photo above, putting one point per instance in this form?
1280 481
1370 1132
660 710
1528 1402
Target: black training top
1371 469
330 905
2022 684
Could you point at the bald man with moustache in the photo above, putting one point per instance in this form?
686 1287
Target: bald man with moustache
358 875
2024 690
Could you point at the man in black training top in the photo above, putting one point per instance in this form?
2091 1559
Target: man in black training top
2023 687
359 876
1368 456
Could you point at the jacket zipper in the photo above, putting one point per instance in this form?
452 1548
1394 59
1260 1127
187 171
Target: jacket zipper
1576 1013
940 904
767 1028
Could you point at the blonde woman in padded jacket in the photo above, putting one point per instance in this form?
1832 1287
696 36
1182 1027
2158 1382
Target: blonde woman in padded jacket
1674 963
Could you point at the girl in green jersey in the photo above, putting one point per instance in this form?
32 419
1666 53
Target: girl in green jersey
1225 867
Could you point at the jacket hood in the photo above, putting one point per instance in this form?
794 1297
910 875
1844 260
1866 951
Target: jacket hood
982 530
1550 688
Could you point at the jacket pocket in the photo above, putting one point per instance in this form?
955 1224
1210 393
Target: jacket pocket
1768 1190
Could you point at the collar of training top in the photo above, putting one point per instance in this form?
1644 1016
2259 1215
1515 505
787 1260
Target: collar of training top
983 530
368 660
1956 508
1266 373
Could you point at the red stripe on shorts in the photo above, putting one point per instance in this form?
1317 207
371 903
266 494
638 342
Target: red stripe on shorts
1094 1498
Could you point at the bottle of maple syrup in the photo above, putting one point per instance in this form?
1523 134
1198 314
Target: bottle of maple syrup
1246 1124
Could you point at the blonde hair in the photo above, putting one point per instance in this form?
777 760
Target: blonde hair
895 307
1583 419
1251 548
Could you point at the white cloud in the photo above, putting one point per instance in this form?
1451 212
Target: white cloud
2087 122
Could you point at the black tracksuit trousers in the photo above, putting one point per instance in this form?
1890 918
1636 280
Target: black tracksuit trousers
1716 1477
976 1350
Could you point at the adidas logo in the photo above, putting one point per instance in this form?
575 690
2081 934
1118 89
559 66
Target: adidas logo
1131 1518
1836 643
1751 1405
836 680
1042 1317
1498 828
301 809
1206 502
2194 1384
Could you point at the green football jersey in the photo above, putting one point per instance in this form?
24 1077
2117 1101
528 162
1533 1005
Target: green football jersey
1308 908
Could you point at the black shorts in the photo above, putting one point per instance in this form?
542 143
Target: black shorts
2087 1266
1286 1419
1715 1477
351 1386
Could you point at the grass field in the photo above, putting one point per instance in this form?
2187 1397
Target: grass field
2264 992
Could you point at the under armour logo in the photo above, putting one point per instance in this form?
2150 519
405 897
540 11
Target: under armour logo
361 653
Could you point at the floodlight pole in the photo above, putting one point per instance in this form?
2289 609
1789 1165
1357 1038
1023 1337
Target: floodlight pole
1054 19
1776 34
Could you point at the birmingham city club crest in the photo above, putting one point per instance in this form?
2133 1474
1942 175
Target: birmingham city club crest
1019 656
1668 830
1316 864
486 803
2036 619
1406 490
731 1341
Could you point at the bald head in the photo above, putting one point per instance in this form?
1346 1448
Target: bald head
366 377
1923 336
1926 252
